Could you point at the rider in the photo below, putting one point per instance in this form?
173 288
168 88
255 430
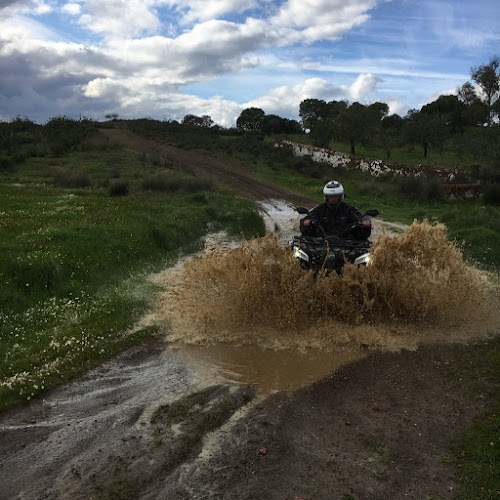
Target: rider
334 217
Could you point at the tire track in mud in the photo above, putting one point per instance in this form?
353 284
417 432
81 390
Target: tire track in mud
117 432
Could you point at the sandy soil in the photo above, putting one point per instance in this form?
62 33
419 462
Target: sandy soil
148 425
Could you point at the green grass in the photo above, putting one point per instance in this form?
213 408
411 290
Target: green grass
477 450
405 155
74 262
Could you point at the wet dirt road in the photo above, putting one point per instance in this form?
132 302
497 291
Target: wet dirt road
158 422
113 433
143 427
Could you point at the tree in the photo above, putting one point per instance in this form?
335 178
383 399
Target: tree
274 124
111 116
467 94
319 116
206 121
476 112
198 121
426 129
390 133
313 112
487 78
250 120
450 111
359 123
378 111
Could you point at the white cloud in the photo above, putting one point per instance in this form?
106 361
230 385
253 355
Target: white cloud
435 95
295 21
137 69
396 106
120 18
73 9
363 87
12 7
322 19
285 100
204 10
16 30
209 50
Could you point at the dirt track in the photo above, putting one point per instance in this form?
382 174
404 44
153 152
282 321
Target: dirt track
144 426
231 174
205 164
141 427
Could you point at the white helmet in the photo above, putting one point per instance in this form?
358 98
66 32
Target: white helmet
333 188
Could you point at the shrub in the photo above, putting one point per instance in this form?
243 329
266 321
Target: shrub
7 164
156 183
119 188
195 185
19 157
71 179
174 183
421 188
200 198
491 194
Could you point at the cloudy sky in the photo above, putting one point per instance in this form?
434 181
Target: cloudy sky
167 58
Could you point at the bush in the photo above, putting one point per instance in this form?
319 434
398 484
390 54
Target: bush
491 194
200 198
7 164
119 188
72 179
167 238
421 188
172 184
156 183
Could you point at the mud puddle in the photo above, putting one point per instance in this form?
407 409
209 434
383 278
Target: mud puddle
417 290
269 370
273 366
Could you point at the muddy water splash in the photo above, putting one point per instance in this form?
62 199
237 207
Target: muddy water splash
418 289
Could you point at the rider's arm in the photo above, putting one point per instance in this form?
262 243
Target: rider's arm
363 229
308 224
355 215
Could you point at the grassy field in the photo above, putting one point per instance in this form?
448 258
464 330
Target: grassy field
473 223
475 151
476 452
79 236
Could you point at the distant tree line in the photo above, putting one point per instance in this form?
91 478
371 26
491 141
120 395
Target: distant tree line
21 138
466 123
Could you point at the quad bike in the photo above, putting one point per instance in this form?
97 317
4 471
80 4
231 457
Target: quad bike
329 253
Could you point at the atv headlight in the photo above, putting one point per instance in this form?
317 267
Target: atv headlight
362 260
300 254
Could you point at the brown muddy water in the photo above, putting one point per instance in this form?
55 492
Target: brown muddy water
249 314
269 370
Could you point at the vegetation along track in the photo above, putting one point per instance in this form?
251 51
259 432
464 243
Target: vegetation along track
204 164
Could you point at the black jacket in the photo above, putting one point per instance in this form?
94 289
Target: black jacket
336 221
